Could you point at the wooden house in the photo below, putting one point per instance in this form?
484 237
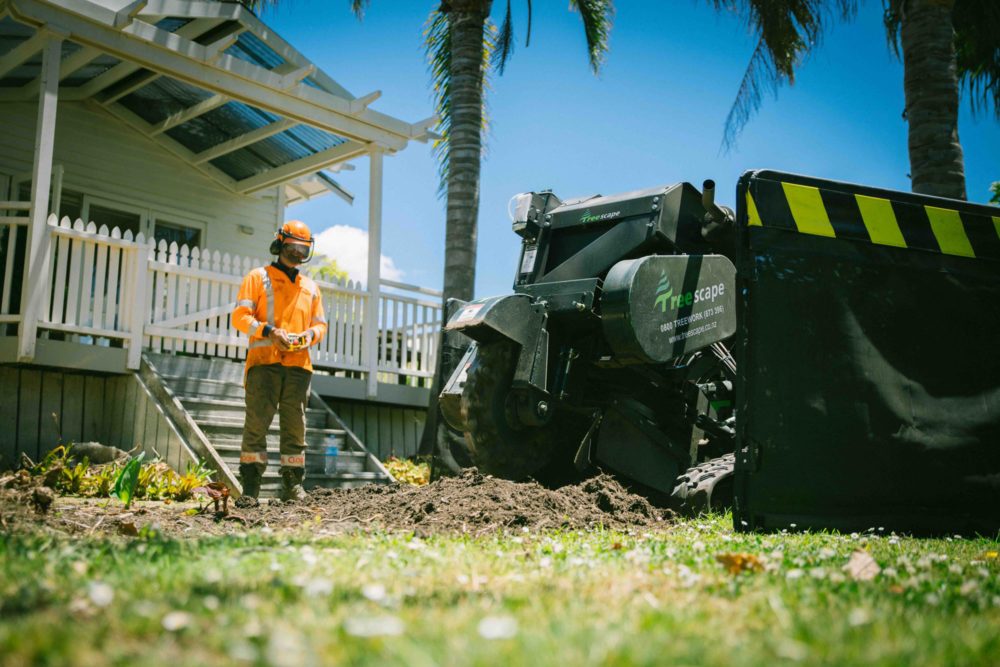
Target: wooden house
148 151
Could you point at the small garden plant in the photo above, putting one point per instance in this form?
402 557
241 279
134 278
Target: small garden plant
408 471
127 480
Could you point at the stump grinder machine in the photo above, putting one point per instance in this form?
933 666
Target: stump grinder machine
863 322
612 350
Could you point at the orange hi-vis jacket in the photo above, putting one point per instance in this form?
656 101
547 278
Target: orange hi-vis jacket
267 296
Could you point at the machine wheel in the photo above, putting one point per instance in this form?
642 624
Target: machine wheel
707 487
497 444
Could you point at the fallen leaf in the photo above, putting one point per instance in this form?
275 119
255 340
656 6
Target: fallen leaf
128 528
617 546
740 562
862 567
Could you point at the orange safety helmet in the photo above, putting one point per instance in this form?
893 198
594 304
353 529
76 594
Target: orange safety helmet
294 232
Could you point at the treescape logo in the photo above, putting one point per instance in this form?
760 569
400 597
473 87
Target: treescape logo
665 297
590 217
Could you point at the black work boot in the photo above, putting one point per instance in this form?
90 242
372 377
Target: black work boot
291 484
250 476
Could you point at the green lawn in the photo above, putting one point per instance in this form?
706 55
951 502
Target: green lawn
542 599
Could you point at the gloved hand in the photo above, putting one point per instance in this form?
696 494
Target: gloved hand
280 339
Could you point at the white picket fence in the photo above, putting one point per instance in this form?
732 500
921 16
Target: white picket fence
106 285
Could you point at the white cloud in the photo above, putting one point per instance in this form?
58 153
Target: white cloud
349 246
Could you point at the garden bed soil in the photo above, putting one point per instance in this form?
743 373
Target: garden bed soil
471 503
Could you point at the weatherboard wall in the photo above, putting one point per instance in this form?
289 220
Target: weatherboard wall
104 158
40 408
386 430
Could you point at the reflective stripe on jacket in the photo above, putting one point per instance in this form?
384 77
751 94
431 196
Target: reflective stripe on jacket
267 296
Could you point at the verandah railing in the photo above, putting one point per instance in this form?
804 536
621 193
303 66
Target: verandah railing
14 222
132 292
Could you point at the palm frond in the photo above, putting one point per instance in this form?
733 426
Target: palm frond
977 50
786 32
438 48
760 75
359 7
437 42
504 43
892 17
527 40
597 17
257 5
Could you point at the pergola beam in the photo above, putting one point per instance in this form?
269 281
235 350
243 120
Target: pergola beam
239 142
66 67
307 165
170 145
359 104
234 12
22 52
192 112
127 14
123 90
295 77
122 70
217 47
172 55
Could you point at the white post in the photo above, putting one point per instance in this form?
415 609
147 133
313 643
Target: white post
140 302
374 261
58 171
37 259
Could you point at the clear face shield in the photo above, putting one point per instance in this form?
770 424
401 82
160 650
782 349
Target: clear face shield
299 252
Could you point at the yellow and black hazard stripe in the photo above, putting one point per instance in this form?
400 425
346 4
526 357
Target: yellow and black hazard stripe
894 219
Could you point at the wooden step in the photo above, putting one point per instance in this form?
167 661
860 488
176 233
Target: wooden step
316 442
211 391
230 411
230 370
205 387
233 429
271 484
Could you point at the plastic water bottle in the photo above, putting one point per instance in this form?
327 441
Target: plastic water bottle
330 453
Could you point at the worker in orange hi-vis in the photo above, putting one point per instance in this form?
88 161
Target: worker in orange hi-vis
281 311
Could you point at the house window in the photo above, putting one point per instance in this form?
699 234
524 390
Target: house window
114 214
123 220
166 226
176 232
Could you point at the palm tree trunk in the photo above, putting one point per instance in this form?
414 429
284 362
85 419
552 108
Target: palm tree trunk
467 20
930 84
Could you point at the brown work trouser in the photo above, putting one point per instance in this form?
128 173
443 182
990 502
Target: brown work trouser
270 388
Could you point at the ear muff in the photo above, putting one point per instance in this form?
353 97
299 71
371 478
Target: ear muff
275 248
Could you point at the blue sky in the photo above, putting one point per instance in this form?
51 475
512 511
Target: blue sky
654 115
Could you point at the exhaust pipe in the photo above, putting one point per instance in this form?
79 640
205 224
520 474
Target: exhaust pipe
714 213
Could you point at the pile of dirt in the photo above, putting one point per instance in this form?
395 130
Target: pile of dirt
473 503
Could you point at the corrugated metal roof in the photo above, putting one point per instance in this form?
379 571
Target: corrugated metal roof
249 48
156 98
161 98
